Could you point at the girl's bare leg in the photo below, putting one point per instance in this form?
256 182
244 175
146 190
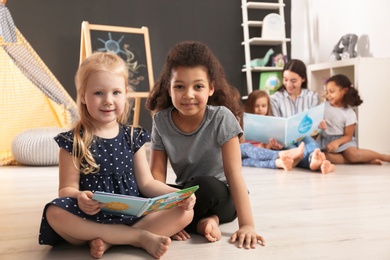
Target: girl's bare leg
161 222
98 247
356 155
78 231
209 227
375 161
336 158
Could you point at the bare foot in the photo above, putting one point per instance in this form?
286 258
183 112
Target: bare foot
155 245
294 153
376 161
285 162
98 247
327 167
209 228
385 158
296 161
317 159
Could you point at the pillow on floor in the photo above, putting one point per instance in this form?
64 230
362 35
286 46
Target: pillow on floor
36 146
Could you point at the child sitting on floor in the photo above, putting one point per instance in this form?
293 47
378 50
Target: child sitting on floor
101 153
294 97
257 154
337 140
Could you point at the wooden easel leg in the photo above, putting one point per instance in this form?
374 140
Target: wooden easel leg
137 108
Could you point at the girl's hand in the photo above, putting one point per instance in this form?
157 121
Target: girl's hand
274 144
332 146
322 125
87 204
188 203
246 237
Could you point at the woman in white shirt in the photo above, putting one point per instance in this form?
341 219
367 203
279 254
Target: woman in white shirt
292 98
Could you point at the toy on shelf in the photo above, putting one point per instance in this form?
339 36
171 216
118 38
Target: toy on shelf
279 60
273 27
347 50
263 61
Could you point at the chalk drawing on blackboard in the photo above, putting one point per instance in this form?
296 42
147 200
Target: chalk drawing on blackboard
122 47
111 45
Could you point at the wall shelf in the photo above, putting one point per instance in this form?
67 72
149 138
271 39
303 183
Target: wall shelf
259 69
261 41
266 6
252 42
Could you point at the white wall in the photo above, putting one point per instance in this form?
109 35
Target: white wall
317 26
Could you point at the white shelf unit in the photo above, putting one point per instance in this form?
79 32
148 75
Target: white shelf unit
248 42
369 76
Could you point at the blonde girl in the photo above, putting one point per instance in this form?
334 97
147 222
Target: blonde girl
259 103
101 153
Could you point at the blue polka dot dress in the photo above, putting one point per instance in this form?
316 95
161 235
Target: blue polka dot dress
115 158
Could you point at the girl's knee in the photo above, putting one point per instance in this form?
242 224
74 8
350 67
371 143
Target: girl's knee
353 158
352 155
54 213
188 217
183 217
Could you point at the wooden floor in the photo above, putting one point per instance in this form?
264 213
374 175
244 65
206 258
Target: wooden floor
302 215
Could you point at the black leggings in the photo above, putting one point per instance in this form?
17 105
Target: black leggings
212 198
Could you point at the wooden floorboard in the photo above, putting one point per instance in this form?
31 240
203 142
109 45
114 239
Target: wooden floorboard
301 214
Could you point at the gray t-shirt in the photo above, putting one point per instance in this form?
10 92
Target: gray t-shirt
338 118
198 153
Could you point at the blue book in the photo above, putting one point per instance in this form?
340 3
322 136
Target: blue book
138 206
286 131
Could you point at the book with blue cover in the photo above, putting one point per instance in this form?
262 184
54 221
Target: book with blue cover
286 131
138 206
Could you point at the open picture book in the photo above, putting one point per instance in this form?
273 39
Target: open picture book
139 206
286 131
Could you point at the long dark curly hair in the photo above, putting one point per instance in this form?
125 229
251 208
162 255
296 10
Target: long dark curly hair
351 97
193 54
